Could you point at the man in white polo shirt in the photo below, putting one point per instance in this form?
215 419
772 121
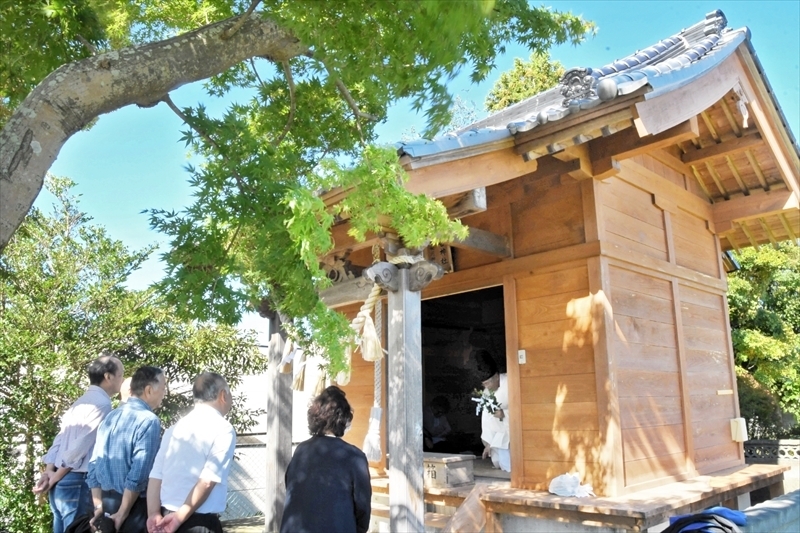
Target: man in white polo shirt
188 485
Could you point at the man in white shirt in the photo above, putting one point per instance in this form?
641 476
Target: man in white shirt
188 485
67 459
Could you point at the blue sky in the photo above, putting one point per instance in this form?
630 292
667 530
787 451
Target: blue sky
131 159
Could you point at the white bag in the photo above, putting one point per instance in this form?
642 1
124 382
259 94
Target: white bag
569 485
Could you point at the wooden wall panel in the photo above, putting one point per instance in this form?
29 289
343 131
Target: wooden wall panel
645 470
710 382
631 220
576 416
644 411
539 473
558 389
695 246
654 441
548 221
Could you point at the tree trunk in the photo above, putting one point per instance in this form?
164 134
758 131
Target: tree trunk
76 93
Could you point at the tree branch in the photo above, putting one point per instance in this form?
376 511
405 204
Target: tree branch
352 103
227 34
293 104
243 188
89 46
76 93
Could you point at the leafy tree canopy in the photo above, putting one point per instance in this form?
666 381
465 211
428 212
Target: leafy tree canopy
256 228
765 319
62 301
524 79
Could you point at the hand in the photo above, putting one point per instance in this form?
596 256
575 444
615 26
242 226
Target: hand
428 443
43 485
118 519
499 414
487 451
170 524
154 523
97 514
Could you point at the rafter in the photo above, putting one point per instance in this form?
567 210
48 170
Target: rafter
789 231
749 139
768 231
746 231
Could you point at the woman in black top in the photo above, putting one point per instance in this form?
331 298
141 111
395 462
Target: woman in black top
327 481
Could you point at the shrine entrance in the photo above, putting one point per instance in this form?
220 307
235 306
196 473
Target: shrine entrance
452 327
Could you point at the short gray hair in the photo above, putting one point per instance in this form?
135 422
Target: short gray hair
207 387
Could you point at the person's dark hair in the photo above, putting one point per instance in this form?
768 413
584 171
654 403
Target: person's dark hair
207 387
144 376
487 367
330 412
107 362
441 403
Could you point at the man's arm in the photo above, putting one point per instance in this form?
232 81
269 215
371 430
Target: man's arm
153 505
128 499
97 501
195 499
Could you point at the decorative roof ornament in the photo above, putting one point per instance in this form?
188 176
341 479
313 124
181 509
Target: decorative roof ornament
577 84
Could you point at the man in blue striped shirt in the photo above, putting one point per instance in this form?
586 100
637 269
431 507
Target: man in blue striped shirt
127 443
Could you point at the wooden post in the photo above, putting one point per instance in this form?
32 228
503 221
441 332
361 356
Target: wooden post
406 504
279 428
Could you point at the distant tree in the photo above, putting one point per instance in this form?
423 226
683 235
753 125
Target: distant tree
524 79
62 300
765 322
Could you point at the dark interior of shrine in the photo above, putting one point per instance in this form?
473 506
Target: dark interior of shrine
453 327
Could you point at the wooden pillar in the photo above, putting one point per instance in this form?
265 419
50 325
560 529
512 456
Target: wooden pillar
406 504
279 428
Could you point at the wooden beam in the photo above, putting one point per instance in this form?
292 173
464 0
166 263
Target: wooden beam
627 143
788 227
485 242
753 242
768 121
344 242
572 135
474 201
750 139
768 232
757 204
346 293
470 173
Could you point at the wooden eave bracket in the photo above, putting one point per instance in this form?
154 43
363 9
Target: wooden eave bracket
485 242
750 138
757 204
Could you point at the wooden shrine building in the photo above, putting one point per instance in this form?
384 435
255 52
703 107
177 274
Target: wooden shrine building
600 214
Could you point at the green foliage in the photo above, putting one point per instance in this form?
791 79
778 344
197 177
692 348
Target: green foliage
524 79
758 407
62 300
53 30
765 321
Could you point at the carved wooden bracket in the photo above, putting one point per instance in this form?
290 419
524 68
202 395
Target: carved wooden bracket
385 275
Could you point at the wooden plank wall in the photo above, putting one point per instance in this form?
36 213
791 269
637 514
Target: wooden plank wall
558 393
670 346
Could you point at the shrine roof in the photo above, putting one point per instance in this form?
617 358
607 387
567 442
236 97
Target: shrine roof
663 67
